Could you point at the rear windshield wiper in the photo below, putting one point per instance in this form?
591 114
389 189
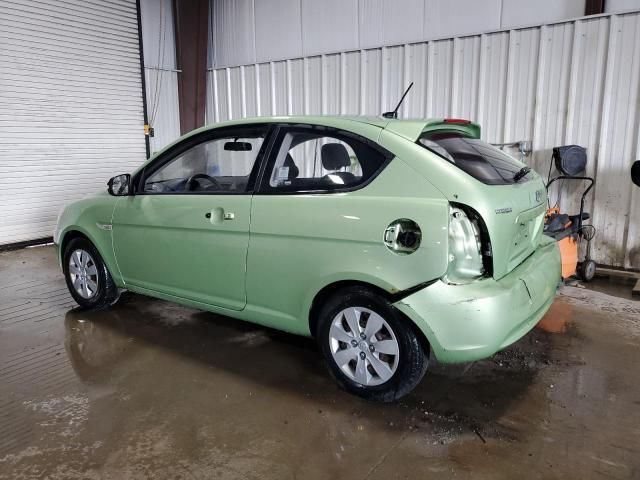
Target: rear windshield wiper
521 174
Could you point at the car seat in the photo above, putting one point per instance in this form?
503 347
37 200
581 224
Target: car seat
334 157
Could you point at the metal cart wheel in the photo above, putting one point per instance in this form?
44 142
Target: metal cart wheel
587 270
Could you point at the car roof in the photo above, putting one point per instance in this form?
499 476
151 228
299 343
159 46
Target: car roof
408 128
411 129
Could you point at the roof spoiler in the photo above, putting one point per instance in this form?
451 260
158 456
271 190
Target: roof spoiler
467 127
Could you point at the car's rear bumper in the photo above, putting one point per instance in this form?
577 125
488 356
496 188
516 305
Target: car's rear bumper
469 322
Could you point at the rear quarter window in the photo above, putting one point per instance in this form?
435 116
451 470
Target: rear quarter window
479 159
323 160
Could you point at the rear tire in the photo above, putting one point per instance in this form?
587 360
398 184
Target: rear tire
359 361
87 276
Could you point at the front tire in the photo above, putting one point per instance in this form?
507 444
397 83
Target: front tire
370 348
87 276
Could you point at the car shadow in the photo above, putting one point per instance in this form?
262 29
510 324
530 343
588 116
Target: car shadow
451 399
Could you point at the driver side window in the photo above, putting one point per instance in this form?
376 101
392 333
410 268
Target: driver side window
220 165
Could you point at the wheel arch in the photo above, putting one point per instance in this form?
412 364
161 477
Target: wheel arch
328 290
70 235
102 245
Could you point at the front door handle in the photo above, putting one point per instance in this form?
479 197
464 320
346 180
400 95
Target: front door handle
217 215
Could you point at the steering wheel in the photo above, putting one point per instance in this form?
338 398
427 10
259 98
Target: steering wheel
193 179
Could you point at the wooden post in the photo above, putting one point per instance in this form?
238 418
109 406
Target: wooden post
594 7
192 31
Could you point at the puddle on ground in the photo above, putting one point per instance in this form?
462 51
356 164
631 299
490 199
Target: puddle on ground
557 319
150 389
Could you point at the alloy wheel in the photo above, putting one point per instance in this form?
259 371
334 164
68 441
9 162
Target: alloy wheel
83 273
364 346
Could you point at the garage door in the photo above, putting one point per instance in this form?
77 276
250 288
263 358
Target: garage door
71 111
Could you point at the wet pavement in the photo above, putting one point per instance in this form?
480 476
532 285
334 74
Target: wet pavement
150 389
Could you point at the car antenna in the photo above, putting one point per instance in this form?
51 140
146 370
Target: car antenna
394 114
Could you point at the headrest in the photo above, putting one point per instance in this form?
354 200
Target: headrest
293 170
334 156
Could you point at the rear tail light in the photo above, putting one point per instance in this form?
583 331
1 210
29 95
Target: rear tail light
470 256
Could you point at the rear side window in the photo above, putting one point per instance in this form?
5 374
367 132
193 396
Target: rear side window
310 160
479 159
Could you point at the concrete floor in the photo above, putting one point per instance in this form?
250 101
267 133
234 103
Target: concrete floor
154 390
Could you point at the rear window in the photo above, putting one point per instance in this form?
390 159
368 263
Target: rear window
479 159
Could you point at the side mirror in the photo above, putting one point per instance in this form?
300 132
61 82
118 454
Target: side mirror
120 185
635 172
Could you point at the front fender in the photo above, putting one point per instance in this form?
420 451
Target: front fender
92 218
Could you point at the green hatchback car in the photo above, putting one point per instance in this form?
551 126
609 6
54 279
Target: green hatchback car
387 240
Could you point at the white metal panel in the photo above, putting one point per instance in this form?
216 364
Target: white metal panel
393 81
494 51
371 81
416 71
266 92
521 84
613 6
618 143
278 29
296 86
329 26
466 68
161 76
71 112
586 82
632 247
163 106
331 84
575 82
444 18
251 90
556 42
382 22
158 37
233 39
518 13
439 77
280 88
351 81
248 31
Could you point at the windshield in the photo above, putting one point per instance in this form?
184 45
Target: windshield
479 159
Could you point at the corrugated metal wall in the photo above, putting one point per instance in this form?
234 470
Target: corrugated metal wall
161 76
250 31
571 82
71 110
